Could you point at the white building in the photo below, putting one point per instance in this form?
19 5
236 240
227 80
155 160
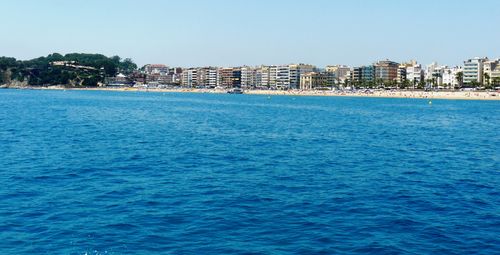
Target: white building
341 72
414 73
492 68
262 76
189 77
473 70
283 77
288 76
296 70
207 76
430 70
450 77
248 77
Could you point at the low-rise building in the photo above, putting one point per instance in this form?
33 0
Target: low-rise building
342 72
314 80
156 69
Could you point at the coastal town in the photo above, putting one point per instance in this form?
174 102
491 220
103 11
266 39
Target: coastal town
476 78
475 74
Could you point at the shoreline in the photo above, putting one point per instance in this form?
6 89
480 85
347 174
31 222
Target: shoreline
410 94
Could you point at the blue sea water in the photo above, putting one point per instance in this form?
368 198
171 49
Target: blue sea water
87 172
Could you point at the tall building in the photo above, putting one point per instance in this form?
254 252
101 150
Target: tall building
367 73
363 73
288 76
492 69
283 77
207 76
414 73
262 76
402 71
473 70
430 70
236 78
434 74
356 74
226 77
248 77
296 70
401 76
386 70
189 77
273 76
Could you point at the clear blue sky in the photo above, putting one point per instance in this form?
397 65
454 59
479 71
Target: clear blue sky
237 32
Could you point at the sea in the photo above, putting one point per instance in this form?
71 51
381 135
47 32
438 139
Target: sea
100 172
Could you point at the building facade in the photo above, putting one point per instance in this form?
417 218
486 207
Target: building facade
189 77
296 70
248 77
356 74
314 80
341 72
473 70
156 69
414 74
367 73
491 72
450 77
207 76
386 70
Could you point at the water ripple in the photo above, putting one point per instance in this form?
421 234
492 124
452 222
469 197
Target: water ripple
87 172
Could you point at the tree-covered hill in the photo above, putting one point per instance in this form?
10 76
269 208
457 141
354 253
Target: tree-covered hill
74 69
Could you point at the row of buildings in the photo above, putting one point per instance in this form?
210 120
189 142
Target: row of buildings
474 72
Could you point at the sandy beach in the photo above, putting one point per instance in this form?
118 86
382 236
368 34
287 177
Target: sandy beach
452 95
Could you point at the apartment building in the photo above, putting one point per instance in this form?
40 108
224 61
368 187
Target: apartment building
189 77
225 77
414 73
473 70
296 70
207 76
248 77
341 72
491 71
156 69
386 70
313 80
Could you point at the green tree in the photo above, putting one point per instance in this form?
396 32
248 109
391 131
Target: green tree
474 84
421 84
460 79
127 66
487 79
405 84
496 81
